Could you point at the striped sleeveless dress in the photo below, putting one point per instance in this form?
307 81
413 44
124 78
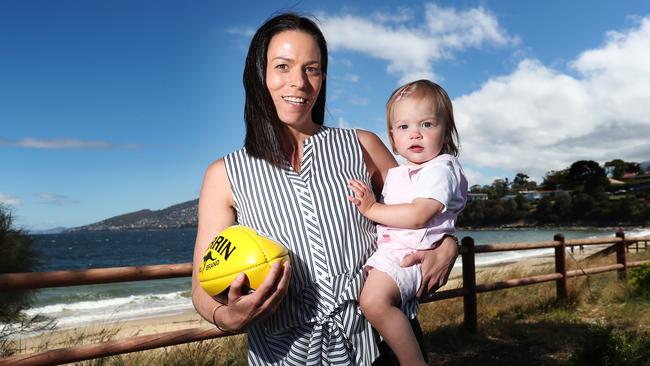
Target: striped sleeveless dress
319 321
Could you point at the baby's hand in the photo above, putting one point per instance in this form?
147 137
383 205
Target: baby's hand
363 197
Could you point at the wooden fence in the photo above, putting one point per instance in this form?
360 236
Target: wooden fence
469 291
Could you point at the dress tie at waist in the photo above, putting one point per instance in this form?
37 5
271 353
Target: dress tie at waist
329 343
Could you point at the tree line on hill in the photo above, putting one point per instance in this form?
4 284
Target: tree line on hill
583 194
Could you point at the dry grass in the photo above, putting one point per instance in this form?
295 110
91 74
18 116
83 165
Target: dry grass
228 351
527 325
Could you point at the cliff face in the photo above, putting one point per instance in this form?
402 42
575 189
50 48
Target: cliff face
181 215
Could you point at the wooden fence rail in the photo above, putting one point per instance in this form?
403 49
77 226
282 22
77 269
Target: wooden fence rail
469 291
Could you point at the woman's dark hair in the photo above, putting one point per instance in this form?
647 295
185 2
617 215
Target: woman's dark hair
266 136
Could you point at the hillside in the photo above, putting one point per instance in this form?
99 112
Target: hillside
176 216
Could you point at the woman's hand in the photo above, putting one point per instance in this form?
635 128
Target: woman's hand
243 310
436 265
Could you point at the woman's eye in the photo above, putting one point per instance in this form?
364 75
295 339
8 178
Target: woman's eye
282 67
312 70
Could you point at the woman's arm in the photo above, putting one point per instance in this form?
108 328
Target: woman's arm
216 212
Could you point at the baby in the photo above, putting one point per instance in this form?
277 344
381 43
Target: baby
421 201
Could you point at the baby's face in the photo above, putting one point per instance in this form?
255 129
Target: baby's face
417 133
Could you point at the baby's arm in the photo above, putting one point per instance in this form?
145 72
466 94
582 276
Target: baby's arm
414 215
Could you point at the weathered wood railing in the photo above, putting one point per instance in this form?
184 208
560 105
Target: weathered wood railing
469 291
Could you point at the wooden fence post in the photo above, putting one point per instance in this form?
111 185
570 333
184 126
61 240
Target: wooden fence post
620 255
469 283
560 267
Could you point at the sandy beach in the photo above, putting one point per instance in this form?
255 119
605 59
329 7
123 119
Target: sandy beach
94 333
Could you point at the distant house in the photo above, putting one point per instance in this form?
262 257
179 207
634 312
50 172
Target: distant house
477 196
529 195
640 182
615 182
634 176
532 196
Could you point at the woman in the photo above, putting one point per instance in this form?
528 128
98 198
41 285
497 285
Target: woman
290 182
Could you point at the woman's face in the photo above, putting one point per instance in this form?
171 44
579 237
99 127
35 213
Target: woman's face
293 76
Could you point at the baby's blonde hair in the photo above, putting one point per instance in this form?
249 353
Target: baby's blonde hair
443 110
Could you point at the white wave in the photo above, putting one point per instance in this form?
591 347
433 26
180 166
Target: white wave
101 304
82 313
637 232
123 314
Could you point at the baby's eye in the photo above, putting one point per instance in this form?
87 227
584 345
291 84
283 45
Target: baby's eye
402 127
429 124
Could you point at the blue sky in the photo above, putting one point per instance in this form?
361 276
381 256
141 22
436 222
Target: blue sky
108 107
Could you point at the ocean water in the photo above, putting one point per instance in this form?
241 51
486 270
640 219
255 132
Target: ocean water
105 303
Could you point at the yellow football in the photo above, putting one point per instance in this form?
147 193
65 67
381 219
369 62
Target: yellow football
235 250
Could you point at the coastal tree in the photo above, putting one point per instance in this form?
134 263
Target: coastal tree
618 168
520 182
583 205
523 205
500 187
554 180
587 175
16 255
544 210
562 207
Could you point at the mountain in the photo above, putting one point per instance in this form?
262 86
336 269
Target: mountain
645 165
54 230
180 215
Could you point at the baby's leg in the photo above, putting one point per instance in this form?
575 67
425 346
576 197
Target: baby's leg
380 302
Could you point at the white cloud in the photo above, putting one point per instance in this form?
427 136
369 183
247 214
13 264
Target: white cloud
347 78
63 143
248 32
55 199
538 119
477 177
9 200
401 15
335 60
343 123
359 101
412 49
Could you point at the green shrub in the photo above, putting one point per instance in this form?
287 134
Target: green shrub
606 346
16 255
640 279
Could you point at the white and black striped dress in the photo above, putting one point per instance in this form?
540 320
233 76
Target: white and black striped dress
319 321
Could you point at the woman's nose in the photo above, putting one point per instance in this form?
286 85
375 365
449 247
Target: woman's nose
298 79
